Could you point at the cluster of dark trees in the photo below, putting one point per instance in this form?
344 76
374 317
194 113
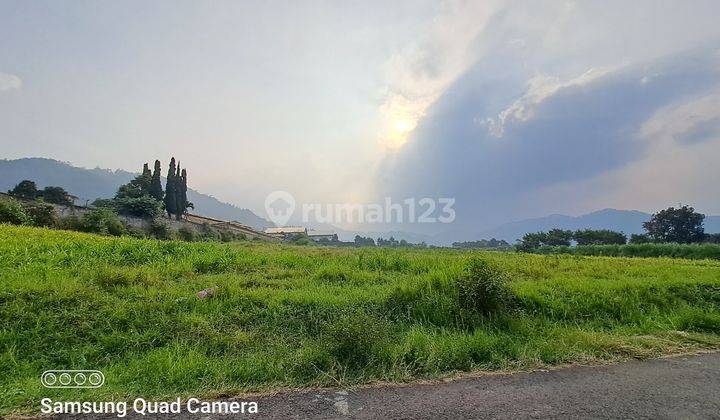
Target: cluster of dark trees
561 237
483 244
391 243
144 195
28 190
682 225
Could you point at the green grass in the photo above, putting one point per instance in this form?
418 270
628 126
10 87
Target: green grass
285 316
688 251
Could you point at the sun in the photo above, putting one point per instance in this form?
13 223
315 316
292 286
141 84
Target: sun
404 125
398 131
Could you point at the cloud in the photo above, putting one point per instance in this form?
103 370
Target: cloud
554 133
415 75
539 88
9 82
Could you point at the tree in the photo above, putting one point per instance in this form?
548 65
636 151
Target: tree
558 237
639 238
531 241
156 190
25 189
170 190
55 195
599 237
360 241
181 201
682 225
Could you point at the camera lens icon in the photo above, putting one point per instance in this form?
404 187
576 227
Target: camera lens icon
72 379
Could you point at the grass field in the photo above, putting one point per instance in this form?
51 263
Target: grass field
285 316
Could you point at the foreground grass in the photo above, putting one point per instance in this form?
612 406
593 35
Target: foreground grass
289 316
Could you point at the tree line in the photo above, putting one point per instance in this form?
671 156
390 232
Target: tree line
681 225
390 243
498 244
28 190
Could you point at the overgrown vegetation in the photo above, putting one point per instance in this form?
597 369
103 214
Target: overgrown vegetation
665 228
646 250
283 315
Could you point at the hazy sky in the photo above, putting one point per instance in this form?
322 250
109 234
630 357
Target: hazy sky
516 109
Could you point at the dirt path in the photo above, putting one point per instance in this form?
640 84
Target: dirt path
678 387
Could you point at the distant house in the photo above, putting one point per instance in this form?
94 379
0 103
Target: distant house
322 235
286 232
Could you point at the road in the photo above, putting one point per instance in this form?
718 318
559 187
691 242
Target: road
679 387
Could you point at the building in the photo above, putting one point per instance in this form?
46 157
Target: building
286 232
322 235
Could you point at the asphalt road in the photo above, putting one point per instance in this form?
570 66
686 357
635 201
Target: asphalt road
684 387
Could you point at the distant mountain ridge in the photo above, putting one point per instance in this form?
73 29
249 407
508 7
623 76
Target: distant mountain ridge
89 184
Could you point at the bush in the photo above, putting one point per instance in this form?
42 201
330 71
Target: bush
639 238
12 212
483 288
356 339
103 221
42 214
71 222
228 236
159 229
186 234
146 207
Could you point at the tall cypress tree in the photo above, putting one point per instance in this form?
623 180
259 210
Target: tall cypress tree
170 190
143 181
156 190
183 191
179 203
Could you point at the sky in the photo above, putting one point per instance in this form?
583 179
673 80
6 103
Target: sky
514 109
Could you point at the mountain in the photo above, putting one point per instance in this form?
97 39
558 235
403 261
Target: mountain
628 221
89 184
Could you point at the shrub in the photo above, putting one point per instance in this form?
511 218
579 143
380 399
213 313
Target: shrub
103 221
159 229
42 214
145 206
639 238
356 339
483 288
71 222
186 234
228 236
12 212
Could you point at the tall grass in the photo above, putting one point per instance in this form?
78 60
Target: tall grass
688 251
294 316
